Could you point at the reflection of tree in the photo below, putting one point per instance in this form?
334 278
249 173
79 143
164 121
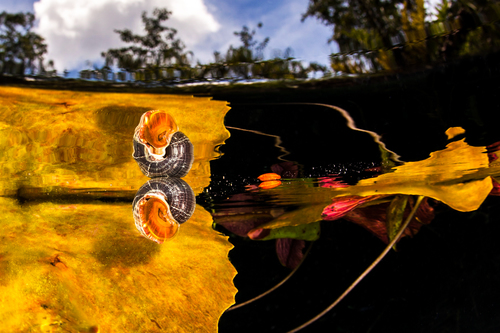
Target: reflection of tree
475 27
21 49
362 24
251 50
391 34
155 58
247 61
151 51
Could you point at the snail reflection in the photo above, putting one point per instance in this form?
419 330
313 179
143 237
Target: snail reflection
160 149
161 206
163 153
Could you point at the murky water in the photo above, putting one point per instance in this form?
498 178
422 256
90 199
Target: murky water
440 280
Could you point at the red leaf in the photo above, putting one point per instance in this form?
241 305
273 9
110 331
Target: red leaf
492 149
258 233
343 205
496 187
332 182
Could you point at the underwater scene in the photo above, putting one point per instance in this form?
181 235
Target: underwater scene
253 209
146 190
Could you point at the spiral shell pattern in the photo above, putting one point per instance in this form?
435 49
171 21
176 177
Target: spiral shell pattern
161 205
175 159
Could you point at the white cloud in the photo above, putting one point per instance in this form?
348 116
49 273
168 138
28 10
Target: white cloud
79 30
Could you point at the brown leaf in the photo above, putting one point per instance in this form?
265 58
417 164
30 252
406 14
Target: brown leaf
373 218
289 251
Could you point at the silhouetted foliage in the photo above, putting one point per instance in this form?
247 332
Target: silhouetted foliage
150 52
362 24
474 25
394 34
21 49
251 50
159 60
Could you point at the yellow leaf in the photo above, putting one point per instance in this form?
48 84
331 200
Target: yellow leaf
453 132
84 139
78 267
436 177
85 267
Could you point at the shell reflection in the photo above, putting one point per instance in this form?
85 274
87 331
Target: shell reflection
159 148
161 206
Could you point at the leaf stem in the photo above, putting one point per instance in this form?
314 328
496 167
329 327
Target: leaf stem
368 270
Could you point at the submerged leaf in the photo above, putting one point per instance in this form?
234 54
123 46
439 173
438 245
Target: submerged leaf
84 266
308 231
395 213
373 218
270 184
269 176
302 215
343 205
269 180
289 251
460 176
286 169
87 144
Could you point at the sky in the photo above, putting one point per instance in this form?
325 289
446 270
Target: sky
77 31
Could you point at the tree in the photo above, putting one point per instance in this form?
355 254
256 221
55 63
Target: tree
478 27
159 47
251 50
20 48
247 61
393 34
361 24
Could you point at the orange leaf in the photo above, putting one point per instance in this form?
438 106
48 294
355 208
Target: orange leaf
269 176
270 184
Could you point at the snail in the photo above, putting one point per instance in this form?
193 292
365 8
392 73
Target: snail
160 148
161 205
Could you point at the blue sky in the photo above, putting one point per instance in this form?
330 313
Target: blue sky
76 31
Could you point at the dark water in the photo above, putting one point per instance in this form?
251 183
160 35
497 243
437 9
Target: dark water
445 279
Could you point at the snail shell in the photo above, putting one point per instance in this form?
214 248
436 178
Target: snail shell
161 205
159 148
